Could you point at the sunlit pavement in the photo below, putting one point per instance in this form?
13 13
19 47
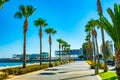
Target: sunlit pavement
78 70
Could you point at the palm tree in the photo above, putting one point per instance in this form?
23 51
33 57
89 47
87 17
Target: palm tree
112 30
40 23
94 32
50 31
86 49
102 32
2 2
68 50
89 33
64 44
97 55
26 12
91 27
60 42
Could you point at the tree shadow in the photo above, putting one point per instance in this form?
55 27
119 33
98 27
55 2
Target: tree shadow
47 73
63 72
51 69
77 77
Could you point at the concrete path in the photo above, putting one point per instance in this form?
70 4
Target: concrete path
78 70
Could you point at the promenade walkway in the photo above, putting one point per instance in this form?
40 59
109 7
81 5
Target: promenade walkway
78 70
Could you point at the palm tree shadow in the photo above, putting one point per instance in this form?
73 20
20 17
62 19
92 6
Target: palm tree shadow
51 69
47 73
77 77
63 72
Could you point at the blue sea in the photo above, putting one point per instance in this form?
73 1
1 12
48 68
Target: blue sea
14 64
9 64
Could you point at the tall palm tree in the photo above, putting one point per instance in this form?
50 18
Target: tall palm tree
60 42
68 50
102 32
40 23
64 44
96 54
96 42
86 48
2 2
50 31
91 27
112 30
26 12
88 29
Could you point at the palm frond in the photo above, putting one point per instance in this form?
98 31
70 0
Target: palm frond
18 15
29 10
2 2
26 10
50 30
40 22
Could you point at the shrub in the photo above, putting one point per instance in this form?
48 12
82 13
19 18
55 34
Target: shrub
92 64
57 63
3 76
21 71
52 65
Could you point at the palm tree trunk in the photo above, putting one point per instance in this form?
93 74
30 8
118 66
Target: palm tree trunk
93 42
117 63
24 44
40 46
62 52
94 54
87 55
97 57
91 53
97 50
50 43
104 50
24 51
59 53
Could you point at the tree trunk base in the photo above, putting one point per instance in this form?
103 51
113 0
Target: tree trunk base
118 72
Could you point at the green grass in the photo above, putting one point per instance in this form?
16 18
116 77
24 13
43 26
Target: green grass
108 76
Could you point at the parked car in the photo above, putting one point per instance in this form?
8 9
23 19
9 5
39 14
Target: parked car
112 63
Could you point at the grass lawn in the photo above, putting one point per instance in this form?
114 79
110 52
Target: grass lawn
108 76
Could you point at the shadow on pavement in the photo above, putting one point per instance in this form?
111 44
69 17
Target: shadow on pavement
51 69
63 72
47 73
77 77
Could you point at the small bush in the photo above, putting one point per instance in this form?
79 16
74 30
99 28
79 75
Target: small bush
92 64
3 76
52 65
57 63
21 71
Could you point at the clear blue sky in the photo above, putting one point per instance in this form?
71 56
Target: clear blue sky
68 17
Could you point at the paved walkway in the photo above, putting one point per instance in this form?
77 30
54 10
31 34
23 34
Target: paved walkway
78 70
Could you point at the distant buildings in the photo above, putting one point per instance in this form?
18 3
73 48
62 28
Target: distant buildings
74 54
45 56
109 47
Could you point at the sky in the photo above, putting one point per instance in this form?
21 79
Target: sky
67 17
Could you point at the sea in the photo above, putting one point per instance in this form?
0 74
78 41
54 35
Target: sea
8 65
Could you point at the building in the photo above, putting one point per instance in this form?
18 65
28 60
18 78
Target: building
45 56
74 54
111 46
